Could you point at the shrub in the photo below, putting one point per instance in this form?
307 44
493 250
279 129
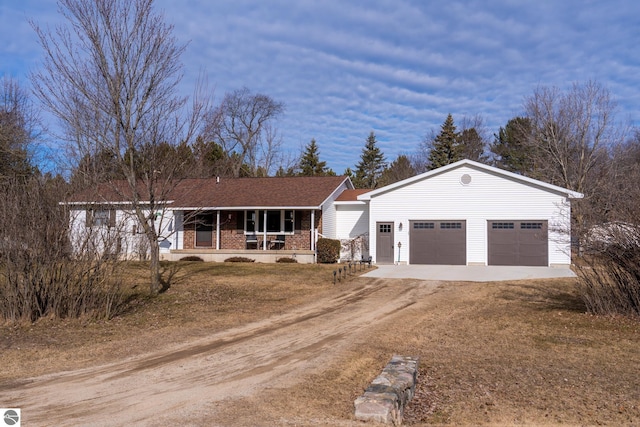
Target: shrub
610 281
192 258
39 274
328 250
239 259
287 260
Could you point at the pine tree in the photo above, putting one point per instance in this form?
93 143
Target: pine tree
510 148
445 147
401 168
370 166
310 164
349 173
472 145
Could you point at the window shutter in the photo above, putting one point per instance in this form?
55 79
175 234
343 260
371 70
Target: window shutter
297 216
89 218
112 217
240 222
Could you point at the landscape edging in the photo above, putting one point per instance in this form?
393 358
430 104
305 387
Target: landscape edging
385 399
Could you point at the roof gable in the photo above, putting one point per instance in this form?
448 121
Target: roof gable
475 165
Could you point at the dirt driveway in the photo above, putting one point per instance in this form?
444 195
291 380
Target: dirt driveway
176 383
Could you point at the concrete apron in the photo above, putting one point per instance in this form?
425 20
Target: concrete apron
468 273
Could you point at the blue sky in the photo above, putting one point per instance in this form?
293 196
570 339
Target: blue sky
396 67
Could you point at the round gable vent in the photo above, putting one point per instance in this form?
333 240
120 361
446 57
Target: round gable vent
465 179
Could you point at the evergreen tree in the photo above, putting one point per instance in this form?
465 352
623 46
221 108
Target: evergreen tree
370 166
349 173
445 147
310 164
471 146
398 170
209 159
510 148
285 172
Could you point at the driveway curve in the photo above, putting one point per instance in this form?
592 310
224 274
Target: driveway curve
164 386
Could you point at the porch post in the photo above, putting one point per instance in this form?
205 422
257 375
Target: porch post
264 232
218 229
313 235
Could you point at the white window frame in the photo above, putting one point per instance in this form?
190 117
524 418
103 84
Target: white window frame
258 216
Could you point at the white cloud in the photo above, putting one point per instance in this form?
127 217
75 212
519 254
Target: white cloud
397 67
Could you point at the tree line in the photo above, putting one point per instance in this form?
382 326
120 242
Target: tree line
110 75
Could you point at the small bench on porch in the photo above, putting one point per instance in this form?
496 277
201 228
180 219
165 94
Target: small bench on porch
277 242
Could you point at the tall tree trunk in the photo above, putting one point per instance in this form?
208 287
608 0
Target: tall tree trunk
156 284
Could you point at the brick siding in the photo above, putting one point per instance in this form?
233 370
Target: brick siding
233 238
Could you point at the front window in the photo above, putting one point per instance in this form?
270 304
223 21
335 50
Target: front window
278 221
288 221
101 218
273 222
251 221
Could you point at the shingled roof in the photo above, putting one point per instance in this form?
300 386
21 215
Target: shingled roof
232 192
352 195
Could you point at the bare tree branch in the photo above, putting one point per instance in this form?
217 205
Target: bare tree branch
242 125
111 77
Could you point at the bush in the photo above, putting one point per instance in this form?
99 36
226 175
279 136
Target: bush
610 281
287 260
39 275
239 259
192 258
328 250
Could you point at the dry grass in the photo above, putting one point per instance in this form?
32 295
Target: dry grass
204 298
491 353
522 353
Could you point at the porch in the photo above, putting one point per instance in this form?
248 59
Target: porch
263 235
259 255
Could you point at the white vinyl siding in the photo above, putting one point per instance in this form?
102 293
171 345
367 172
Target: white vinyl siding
329 217
489 196
127 232
353 220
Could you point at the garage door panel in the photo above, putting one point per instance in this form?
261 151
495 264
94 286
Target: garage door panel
503 256
438 242
518 243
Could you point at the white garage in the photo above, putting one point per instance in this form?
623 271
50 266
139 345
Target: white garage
468 213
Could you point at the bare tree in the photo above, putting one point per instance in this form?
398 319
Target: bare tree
19 128
610 270
37 276
571 132
111 77
242 125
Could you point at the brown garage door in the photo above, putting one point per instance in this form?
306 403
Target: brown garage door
438 242
518 243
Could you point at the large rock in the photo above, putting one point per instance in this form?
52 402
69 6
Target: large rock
385 399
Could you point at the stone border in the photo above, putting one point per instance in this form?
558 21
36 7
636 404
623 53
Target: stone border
385 399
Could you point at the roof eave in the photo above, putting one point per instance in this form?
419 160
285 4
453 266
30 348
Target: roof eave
243 208
346 181
550 187
350 202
